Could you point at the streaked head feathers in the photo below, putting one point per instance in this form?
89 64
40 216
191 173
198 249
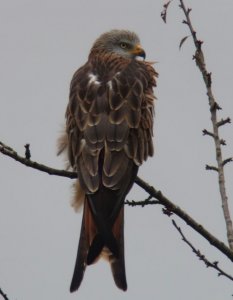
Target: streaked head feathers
122 42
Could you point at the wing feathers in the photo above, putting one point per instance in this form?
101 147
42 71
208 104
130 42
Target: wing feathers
90 160
115 165
115 101
107 113
134 101
117 116
133 117
86 179
113 161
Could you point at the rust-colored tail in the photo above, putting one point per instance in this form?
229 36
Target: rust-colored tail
100 239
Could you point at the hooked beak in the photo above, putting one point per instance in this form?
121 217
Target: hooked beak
138 51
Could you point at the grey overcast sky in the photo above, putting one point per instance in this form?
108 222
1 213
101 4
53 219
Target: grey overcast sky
42 44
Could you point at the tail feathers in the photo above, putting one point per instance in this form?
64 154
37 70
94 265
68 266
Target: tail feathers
95 249
98 243
99 240
118 264
118 272
80 264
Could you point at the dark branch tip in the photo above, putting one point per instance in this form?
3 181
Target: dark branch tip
223 142
167 212
226 161
211 168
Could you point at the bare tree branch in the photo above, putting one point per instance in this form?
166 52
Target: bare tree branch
147 201
202 257
187 218
164 12
6 150
153 193
200 61
142 203
3 295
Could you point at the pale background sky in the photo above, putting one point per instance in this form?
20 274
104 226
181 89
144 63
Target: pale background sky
42 44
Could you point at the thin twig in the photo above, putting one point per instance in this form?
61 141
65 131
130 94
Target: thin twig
223 122
145 186
211 168
227 160
201 256
147 201
6 150
164 12
142 203
3 295
200 61
206 132
27 151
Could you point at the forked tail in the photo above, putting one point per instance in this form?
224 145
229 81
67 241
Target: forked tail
97 238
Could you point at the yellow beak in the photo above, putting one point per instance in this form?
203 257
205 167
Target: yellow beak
138 51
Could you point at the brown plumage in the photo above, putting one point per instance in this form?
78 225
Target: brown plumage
109 128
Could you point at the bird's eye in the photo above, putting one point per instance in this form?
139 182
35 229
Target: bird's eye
123 45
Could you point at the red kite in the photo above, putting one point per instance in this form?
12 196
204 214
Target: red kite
109 129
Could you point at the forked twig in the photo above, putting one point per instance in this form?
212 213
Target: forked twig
202 257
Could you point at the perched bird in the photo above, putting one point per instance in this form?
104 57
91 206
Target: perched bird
109 129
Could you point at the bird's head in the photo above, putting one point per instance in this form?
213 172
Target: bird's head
122 42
